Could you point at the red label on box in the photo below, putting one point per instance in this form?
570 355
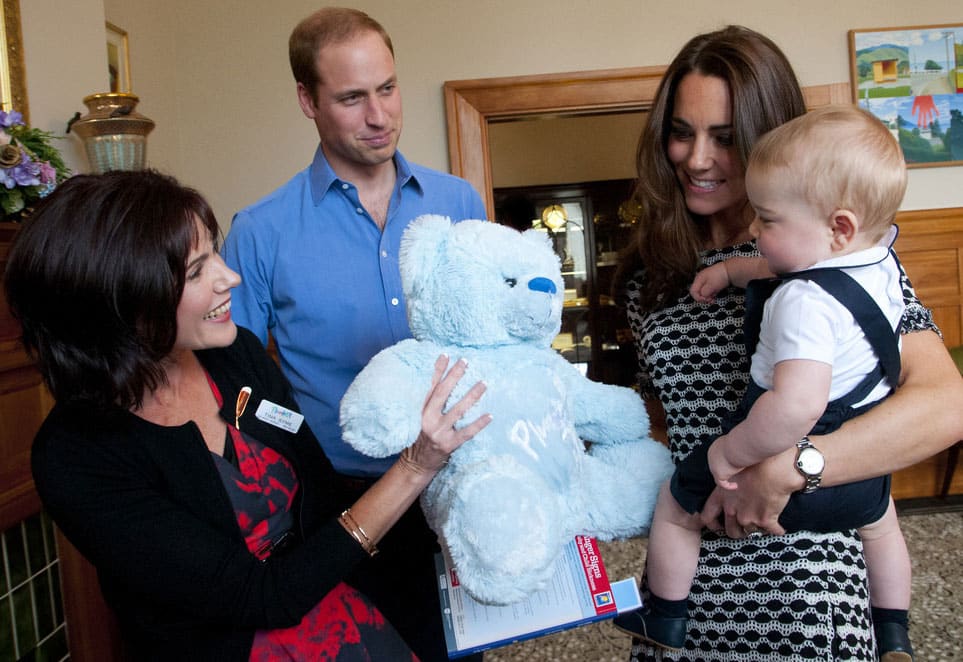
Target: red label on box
595 575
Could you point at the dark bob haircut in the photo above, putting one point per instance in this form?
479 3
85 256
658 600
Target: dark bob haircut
95 277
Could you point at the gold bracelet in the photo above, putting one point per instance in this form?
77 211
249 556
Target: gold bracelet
355 526
352 527
356 534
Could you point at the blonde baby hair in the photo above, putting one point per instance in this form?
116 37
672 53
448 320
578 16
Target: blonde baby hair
837 157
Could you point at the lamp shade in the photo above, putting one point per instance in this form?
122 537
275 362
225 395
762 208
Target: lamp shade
114 134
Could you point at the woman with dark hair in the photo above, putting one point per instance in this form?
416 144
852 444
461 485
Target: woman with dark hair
175 459
801 595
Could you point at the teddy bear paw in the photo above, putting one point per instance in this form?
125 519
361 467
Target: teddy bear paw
503 533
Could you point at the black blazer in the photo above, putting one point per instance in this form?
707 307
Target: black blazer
145 504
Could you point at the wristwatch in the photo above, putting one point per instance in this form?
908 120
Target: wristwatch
810 463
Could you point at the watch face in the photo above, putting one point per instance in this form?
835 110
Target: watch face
810 461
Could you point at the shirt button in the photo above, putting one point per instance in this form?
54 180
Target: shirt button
359 210
344 187
384 253
394 301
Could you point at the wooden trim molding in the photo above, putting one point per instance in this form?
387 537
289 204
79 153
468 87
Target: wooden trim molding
930 246
471 104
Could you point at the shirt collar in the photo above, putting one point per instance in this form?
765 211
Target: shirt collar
865 257
323 177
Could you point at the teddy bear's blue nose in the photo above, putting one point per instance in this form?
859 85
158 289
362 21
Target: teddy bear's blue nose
541 284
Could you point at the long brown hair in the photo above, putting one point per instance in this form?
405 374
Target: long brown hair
764 93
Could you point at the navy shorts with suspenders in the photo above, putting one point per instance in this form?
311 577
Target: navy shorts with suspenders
836 508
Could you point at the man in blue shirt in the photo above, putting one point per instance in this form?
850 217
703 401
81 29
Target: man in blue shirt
319 265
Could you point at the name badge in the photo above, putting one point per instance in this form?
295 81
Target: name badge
278 416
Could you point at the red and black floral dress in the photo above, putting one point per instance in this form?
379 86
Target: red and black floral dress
344 626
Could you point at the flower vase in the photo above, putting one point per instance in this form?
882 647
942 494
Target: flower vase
114 134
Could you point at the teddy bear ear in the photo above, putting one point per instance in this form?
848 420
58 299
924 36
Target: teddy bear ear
421 244
538 238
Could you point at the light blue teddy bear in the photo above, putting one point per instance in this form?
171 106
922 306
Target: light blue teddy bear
511 498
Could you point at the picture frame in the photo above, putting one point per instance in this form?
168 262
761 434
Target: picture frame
911 78
118 59
13 78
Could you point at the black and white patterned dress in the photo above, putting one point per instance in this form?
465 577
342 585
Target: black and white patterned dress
801 596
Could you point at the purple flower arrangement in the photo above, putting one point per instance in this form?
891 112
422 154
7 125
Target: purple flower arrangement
30 167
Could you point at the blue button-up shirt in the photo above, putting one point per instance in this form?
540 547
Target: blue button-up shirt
323 279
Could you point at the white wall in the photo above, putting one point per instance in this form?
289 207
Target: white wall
65 60
156 45
214 75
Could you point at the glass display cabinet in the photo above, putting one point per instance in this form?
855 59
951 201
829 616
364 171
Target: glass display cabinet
586 230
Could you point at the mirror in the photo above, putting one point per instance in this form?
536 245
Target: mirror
13 79
470 105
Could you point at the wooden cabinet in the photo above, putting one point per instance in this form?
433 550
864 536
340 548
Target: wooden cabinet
930 246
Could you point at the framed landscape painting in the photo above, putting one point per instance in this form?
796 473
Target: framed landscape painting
911 78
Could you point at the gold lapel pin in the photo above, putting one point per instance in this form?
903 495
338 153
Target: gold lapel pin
241 405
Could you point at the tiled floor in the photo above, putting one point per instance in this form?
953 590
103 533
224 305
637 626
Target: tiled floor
935 542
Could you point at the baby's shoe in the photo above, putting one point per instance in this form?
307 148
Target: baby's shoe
659 630
892 642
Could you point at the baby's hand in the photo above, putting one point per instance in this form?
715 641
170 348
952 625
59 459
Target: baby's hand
709 282
722 470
